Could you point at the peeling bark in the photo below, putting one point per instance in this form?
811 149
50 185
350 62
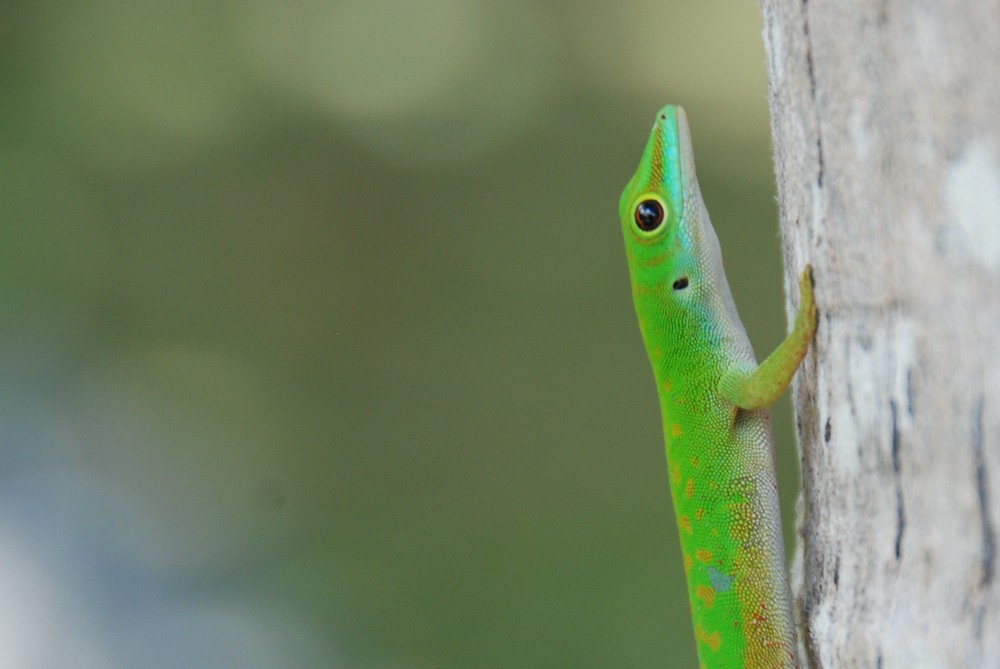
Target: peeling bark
886 119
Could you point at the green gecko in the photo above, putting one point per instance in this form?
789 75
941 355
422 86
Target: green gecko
713 400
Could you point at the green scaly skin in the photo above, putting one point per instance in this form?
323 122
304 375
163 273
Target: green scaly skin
714 399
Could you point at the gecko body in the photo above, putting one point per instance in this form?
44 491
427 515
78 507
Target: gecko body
713 399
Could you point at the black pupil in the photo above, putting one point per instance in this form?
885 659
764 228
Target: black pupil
649 215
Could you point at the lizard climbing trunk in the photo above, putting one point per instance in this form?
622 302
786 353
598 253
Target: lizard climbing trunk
720 452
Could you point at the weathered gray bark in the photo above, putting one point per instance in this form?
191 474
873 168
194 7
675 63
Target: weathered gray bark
886 122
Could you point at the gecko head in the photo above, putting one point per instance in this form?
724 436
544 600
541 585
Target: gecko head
668 237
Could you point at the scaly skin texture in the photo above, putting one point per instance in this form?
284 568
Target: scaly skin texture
713 397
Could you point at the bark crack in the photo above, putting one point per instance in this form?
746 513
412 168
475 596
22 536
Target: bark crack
897 475
988 559
811 68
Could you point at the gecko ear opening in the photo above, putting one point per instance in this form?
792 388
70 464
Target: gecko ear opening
681 283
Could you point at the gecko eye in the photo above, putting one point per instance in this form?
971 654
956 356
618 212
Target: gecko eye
649 215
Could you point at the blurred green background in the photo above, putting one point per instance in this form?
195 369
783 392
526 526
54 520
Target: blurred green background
317 342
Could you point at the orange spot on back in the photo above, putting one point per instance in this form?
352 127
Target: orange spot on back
688 562
695 462
675 475
714 640
699 514
689 488
685 524
704 555
668 385
706 594
676 430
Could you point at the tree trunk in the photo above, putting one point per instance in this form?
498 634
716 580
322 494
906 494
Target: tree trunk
886 122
